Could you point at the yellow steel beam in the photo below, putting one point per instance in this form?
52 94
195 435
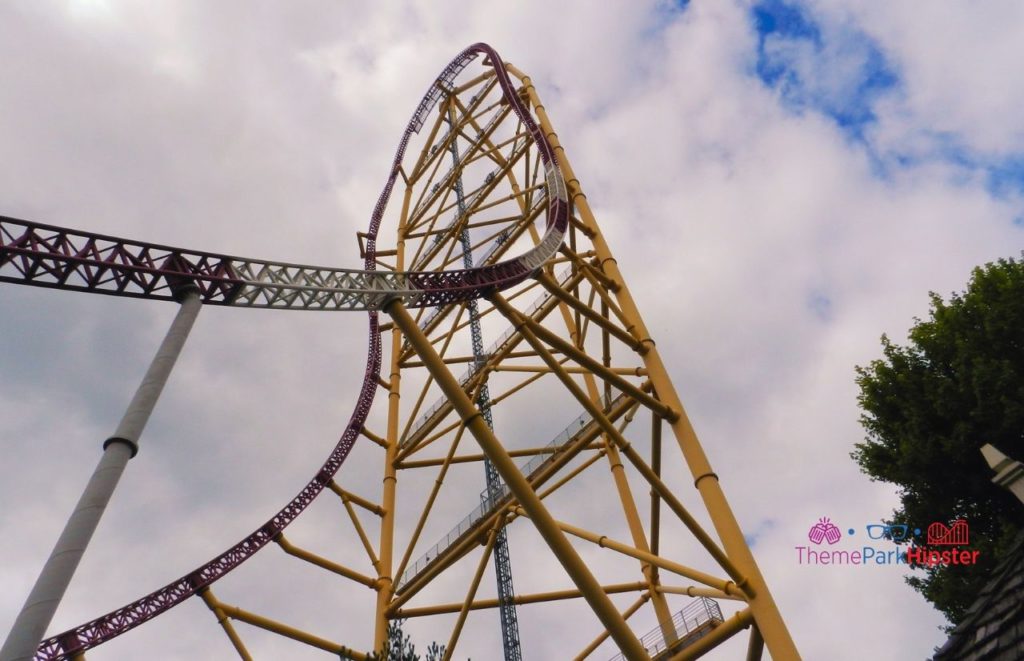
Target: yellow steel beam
362 534
494 359
236 613
225 623
419 210
373 437
601 286
344 494
389 484
562 481
755 646
469 540
585 436
514 231
622 335
603 636
448 360
594 272
527 220
494 152
655 496
413 415
629 508
627 614
520 293
421 256
519 600
576 224
471 536
473 82
603 541
460 621
691 523
470 458
625 371
766 613
583 323
429 504
501 220
695 591
518 486
424 442
324 563
425 156
522 322
718 635
680 511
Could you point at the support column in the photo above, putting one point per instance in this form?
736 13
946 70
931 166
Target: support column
762 606
518 486
31 623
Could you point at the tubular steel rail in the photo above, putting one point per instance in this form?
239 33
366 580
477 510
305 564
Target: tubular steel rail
55 257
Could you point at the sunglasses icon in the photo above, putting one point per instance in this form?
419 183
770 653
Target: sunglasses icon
895 533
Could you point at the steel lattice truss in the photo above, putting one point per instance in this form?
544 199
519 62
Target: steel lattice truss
520 318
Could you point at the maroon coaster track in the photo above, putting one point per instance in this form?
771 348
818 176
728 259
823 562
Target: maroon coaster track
49 256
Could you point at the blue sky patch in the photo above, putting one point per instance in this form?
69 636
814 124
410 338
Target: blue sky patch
754 535
1002 175
1006 176
786 20
664 14
839 73
820 306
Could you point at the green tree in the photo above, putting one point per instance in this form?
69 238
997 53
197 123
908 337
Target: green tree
399 647
928 407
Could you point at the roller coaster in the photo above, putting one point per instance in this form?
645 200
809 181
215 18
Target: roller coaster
489 179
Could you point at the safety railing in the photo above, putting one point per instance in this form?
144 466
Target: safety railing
696 620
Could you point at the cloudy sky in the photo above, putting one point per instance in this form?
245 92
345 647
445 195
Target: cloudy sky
781 183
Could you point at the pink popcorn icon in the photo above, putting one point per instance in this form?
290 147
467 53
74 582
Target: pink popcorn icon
824 530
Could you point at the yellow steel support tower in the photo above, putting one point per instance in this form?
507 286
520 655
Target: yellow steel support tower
568 347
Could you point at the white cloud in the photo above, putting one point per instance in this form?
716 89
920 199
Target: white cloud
956 68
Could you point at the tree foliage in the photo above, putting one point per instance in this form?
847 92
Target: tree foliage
928 407
399 647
